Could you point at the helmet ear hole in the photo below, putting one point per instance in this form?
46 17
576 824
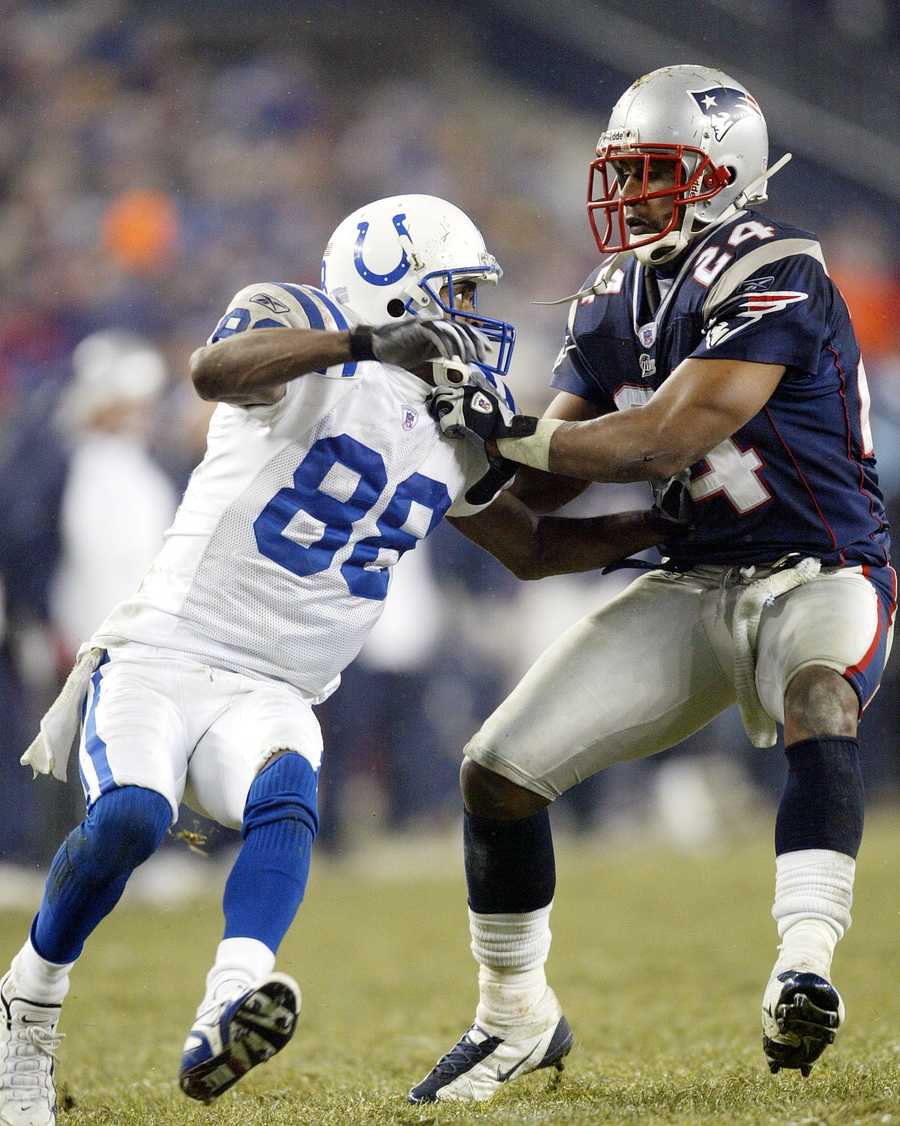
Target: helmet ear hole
396 307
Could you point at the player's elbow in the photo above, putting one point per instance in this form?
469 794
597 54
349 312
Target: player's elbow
204 374
667 452
524 560
668 463
539 561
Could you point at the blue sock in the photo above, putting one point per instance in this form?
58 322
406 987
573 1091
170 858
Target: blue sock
266 885
89 872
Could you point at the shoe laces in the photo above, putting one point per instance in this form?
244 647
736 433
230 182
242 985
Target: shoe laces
212 1008
28 1067
464 1054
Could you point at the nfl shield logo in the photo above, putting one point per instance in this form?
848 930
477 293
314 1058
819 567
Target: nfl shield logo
409 416
647 334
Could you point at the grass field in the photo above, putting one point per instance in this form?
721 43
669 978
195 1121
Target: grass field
659 960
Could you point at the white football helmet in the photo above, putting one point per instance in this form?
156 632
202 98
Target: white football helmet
392 258
709 127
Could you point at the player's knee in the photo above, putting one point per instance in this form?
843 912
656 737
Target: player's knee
284 790
124 827
274 757
487 794
819 702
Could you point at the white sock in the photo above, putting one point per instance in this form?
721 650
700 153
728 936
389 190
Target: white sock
511 951
39 980
813 896
239 963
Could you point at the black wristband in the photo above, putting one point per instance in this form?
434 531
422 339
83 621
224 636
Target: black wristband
361 343
521 426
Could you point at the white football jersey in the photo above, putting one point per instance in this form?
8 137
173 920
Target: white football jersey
280 556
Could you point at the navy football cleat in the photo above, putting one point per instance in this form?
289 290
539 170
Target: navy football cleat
479 1064
231 1037
802 1013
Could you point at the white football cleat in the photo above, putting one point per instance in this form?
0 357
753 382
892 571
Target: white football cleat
232 1036
28 1043
478 1065
801 1014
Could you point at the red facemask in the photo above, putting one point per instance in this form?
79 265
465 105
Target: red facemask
606 205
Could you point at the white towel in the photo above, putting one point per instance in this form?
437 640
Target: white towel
759 594
60 727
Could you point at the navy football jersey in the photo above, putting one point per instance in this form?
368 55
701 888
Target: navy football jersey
800 475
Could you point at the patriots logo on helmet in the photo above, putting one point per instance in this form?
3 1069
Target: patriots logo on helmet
725 107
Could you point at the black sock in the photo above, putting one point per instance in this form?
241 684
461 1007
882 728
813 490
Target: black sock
510 867
822 805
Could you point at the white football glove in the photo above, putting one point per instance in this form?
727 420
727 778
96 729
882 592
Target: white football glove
474 411
455 373
409 344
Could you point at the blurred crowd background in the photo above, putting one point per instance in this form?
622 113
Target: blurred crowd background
158 157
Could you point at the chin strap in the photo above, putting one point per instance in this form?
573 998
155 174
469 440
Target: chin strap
656 254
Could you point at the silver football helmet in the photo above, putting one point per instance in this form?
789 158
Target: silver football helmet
403 256
712 133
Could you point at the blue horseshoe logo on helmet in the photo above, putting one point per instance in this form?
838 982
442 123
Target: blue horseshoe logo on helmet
363 270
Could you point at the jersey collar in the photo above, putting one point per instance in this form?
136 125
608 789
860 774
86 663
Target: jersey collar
650 330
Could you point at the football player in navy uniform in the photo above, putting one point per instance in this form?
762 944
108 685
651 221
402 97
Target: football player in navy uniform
710 342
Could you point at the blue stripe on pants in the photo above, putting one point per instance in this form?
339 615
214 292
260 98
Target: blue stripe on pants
93 744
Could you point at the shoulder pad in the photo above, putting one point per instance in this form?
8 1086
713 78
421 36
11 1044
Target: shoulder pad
762 255
284 305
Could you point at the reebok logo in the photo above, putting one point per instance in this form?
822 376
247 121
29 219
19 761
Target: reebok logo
269 302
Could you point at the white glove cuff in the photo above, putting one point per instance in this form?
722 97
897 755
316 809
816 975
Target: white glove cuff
533 450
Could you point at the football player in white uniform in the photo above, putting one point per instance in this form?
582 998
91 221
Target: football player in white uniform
323 467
